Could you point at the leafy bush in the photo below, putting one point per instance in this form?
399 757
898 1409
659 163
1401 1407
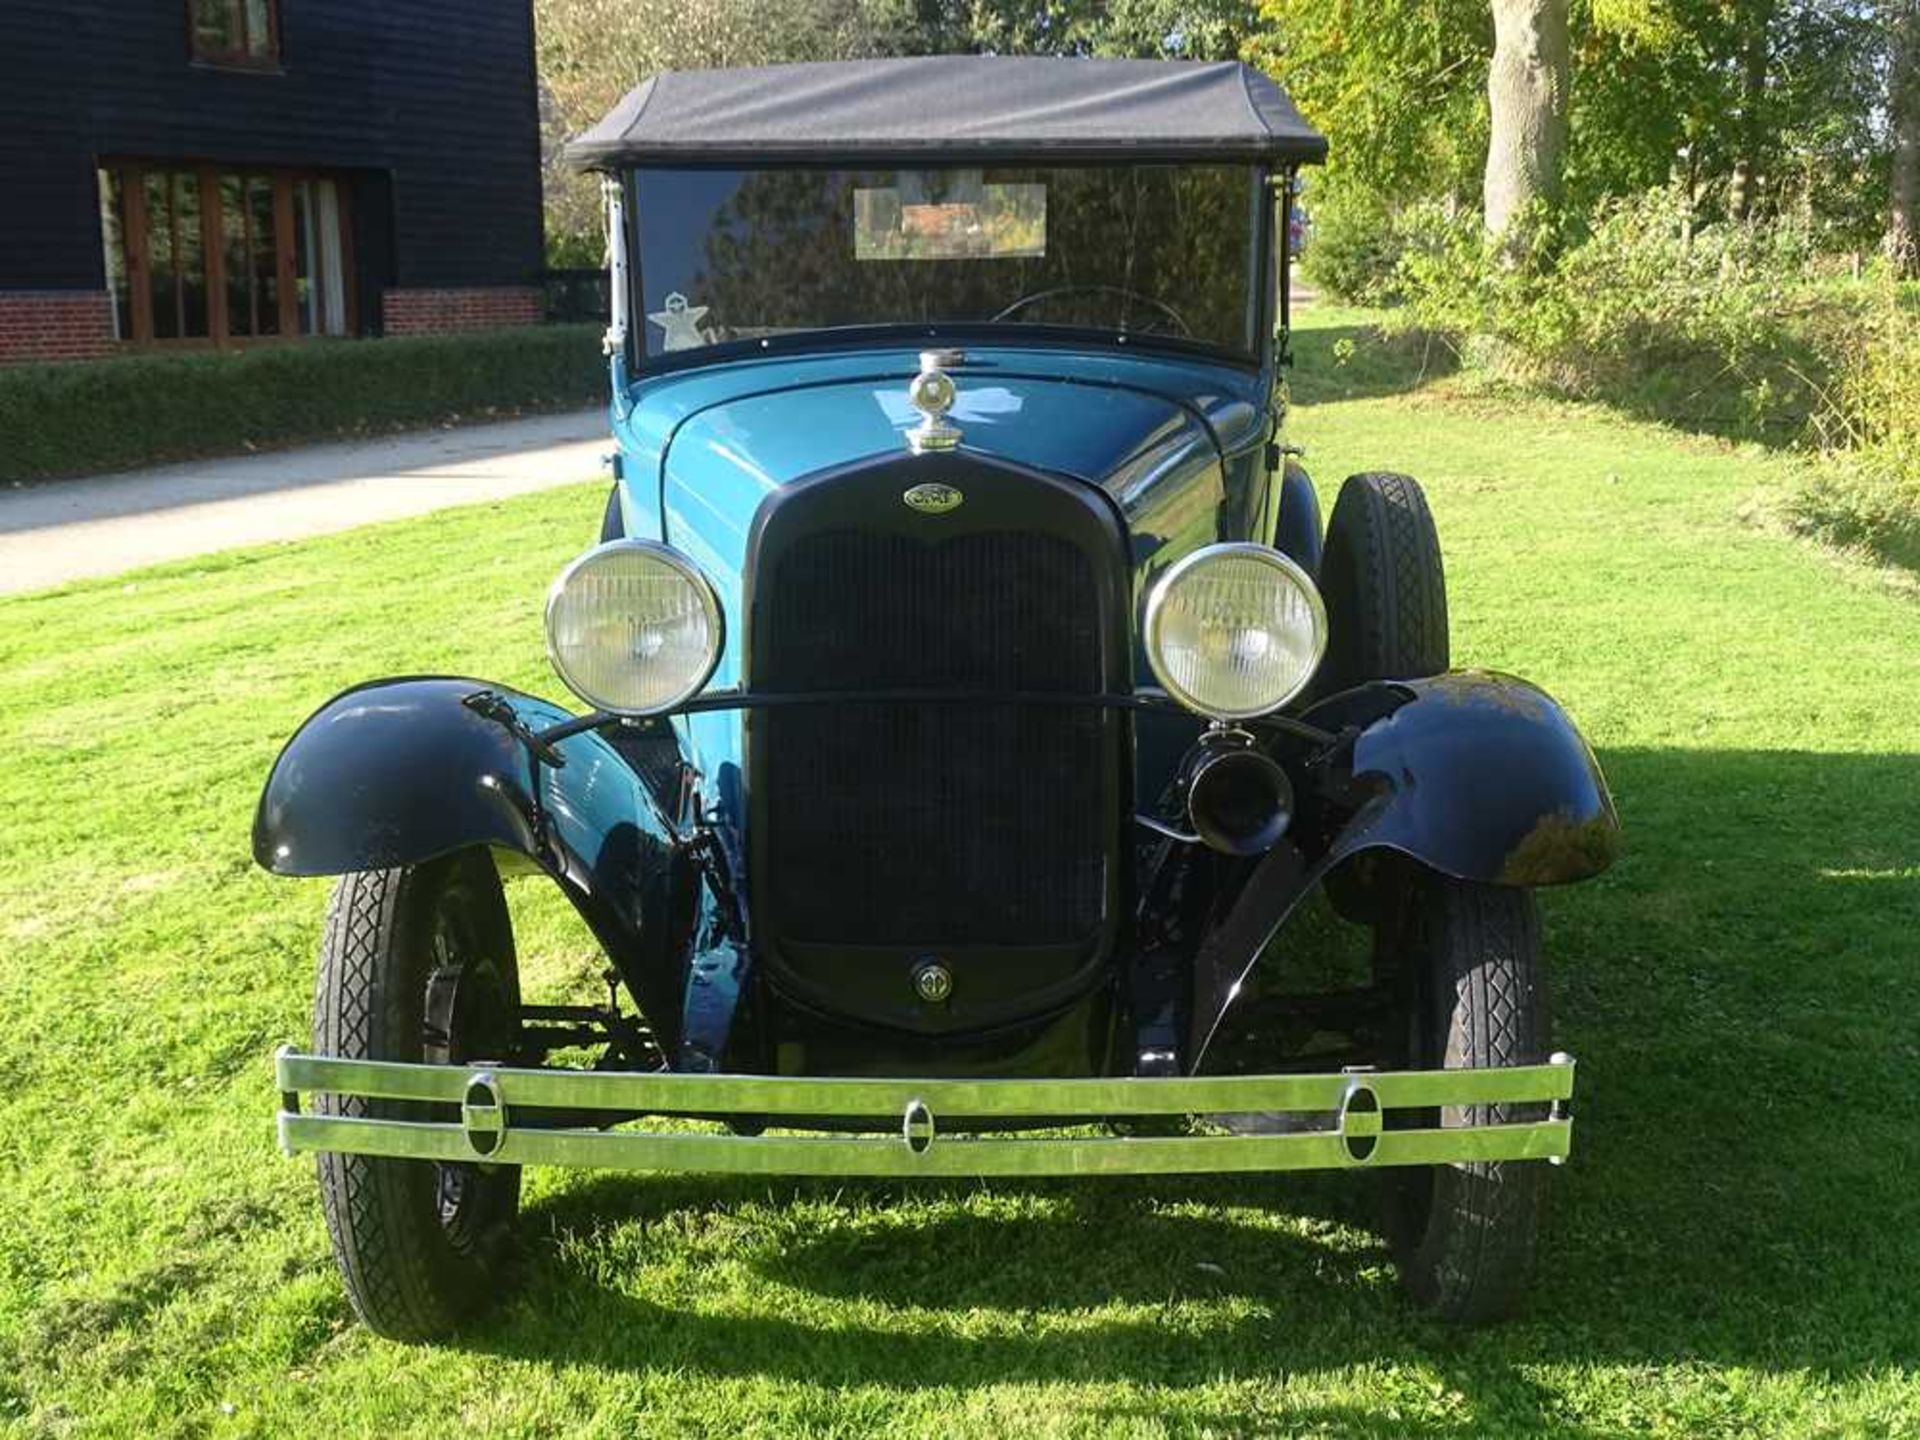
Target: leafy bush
1358 240
102 415
1861 504
1728 329
575 250
1350 250
1868 494
1716 330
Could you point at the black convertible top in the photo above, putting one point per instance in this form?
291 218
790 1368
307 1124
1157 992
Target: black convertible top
948 108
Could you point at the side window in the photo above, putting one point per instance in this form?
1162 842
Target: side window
234 32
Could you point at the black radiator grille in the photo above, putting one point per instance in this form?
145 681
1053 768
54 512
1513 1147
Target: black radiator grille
905 824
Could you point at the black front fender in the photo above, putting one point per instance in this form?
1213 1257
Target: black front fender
1476 775
1481 776
400 772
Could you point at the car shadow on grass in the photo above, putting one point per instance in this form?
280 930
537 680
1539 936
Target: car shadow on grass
1740 1193
1123 1282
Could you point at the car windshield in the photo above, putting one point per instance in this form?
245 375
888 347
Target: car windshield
1152 250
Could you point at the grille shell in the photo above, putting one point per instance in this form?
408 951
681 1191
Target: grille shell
985 832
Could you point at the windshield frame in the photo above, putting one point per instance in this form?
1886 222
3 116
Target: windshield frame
1262 291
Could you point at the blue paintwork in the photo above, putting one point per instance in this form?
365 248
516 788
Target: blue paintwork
1175 442
400 772
1478 776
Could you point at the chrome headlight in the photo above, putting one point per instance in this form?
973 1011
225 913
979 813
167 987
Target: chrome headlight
633 627
1234 631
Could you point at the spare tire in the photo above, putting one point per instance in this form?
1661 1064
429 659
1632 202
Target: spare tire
1384 585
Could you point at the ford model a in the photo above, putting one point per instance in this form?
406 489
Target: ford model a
974 694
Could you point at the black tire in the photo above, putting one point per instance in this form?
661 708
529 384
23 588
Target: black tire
419 1244
1466 1236
613 525
1384 585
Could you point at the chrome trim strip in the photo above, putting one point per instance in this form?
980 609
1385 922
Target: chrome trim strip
615 214
1350 1107
885 1100
886 1156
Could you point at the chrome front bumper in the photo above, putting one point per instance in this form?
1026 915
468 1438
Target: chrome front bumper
1347 1109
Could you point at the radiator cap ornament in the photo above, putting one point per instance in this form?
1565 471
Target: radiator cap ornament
932 394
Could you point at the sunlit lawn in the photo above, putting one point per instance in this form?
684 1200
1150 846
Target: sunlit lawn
1736 1247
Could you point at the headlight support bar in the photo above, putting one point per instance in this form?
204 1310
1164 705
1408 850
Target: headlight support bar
1141 699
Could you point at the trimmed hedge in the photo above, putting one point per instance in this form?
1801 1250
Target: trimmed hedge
92 416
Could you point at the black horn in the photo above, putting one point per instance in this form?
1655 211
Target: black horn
1238 798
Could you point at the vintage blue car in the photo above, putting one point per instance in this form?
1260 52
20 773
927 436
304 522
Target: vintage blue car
973 698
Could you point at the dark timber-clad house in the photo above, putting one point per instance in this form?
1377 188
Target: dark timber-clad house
195 172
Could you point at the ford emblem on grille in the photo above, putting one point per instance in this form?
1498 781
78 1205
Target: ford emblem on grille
931 499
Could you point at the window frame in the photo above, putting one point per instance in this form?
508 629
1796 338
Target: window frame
242 57
135 231
1261 356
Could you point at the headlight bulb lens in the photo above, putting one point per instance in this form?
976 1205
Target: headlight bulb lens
633 628
1235 631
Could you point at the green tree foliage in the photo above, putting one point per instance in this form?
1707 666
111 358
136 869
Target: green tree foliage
1696 89
1398 85
1173 29
1725 157
1662 91
591 52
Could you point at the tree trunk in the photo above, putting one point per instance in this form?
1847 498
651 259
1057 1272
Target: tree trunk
1903 211
1527 84
1754 63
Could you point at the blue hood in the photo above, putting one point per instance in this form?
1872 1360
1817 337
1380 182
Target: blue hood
701 449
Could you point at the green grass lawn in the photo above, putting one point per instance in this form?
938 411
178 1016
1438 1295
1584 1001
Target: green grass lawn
1735 1247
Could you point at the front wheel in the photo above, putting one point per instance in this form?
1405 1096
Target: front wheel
417 965
1468 955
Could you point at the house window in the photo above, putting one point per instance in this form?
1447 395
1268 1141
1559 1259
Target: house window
201 253
234 32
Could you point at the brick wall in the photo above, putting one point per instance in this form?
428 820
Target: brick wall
54 325
421 312
78 324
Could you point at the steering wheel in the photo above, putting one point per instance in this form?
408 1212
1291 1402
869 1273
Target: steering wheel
1130 296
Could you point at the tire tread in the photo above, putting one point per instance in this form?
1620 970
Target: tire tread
400 1273
1472 1259
1386 583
